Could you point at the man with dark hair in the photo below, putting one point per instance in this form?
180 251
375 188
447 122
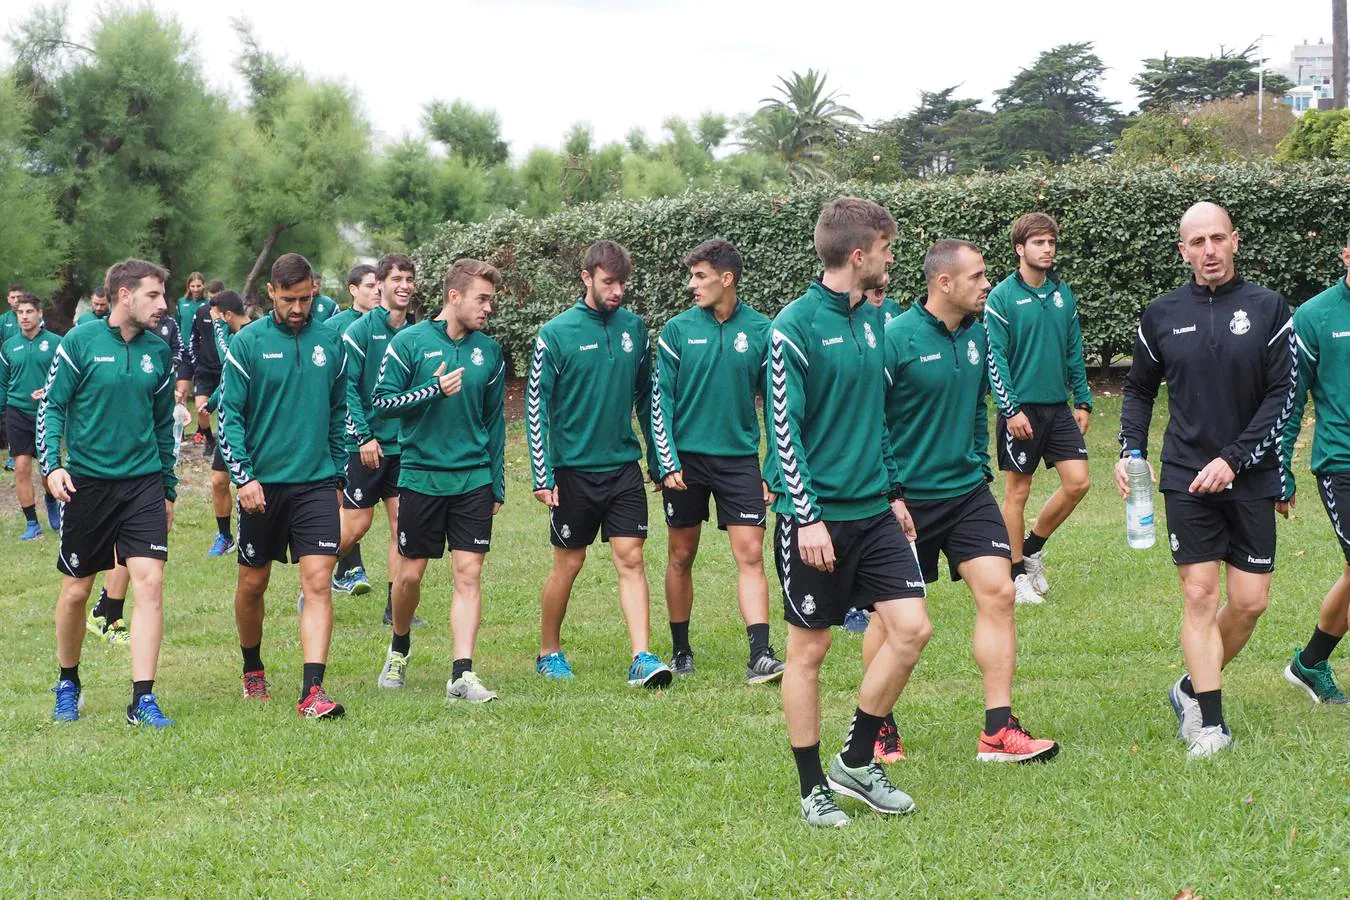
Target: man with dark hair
9 326
214 287
365 290
710 364
1320 328
188 305
286 461
372 444
98 306
24 362
890 308
1226 349
324 307
1035 357
227 317
591 370
445 382
203 350
936 384
838 542
109 400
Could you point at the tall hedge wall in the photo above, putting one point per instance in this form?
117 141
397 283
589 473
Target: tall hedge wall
1117 249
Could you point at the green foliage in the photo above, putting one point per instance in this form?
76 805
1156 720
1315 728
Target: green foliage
941 136
472 135
1316 136
1054 110
29 229
1117 249
1190 80
800 124
1215 131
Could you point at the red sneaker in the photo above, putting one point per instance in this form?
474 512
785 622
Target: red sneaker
318 705
199 438
1013 743
255 686
887 749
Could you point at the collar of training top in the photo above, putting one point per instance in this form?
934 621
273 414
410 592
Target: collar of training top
922 303
595 313
840 299
1202 292
735 310
1051 282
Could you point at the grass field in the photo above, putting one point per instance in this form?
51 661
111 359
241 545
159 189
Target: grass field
593 788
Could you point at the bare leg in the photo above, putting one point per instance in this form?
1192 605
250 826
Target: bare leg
466 608
248 603
1016 491
1201 639
70 609
1333 617
23 480
633 597
355 524
392 560
994 640
407 592
221 505
752 588
681 548
147 626
553 600
1074 482
806 649
1248 597
316 619
907 630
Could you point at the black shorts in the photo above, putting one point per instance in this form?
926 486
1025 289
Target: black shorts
302 518
217 461
204 384
1335 491
107 522
1238 532
961 527
185 370
873 560
428 524
21 429
367 487
612 503
1055 437
734 481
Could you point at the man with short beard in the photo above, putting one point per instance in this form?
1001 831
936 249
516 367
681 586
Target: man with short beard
187 308
109 401
365 291
9 326
325 307
227 318
98 306
24 362
890 308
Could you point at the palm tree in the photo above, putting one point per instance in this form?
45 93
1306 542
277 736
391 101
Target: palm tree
799 123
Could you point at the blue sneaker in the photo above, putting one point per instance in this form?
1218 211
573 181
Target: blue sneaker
342 584
855 621
555 667
69 701
360 584
54 513
649 671
147 712
31 532
9 464
222 546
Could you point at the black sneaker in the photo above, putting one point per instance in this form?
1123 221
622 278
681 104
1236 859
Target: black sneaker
209 447
417 621
682 662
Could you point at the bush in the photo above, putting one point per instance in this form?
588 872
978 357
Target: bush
1118 247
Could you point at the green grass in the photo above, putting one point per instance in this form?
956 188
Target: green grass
593 788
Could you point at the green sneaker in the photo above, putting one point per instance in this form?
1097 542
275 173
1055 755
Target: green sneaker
96 625
117 634
1319 681
820 810
394 675
870 785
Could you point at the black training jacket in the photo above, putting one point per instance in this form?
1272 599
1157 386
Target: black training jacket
1231 371
201 345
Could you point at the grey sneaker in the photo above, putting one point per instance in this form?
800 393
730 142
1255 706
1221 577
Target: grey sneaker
1025 592
682 662
1035 563
468 687
1187 709
394 675
1211 740
870 785
820 810
764 668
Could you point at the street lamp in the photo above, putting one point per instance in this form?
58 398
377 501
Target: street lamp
1260 82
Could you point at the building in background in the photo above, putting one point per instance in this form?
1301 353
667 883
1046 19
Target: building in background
1309 68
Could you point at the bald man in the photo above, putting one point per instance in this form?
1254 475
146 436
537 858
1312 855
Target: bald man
1225 347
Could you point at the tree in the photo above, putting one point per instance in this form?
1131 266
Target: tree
1169 81
800 123
473 135
29 229
1218 131
1317 135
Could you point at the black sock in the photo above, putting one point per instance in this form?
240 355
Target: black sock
113 608
401 643
759 640
223 526
460 667
312 675
1032 543
890 721
996 718
679 635
1186 687
350 561
389 601
862 739
70 673
1019 568
252 657
139 689
206 432
30 513
98 604
1319 648
809 772
1211 707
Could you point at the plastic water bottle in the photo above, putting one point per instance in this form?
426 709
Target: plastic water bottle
1139 503
181 417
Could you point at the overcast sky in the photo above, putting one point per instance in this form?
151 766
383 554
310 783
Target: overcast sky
620 63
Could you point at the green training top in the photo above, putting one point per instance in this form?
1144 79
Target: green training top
276 386
9 325
828 398
707 375
341 321
890 309
589 373
364 343
90 316
224 336
187 308
1322 327
1035 345
936 384
111 402
24 365
451 445
323 308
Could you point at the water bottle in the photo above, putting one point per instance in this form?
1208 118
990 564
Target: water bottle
1138 503
181 417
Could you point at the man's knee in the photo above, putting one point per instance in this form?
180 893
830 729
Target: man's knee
807 648
680 555
628 557
1200 595
1017 488
1249 601
1077 486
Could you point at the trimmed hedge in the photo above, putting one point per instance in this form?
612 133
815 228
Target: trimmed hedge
1118 246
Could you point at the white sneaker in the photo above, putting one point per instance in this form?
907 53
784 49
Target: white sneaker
468 687
1035 563
1026 594
1187 709
394 675
1211 740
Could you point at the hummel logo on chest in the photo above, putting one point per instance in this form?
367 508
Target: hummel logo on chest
274 356
1340 334
698 340
431 354
932 357
104 359
585 347
1187 330
1024 302
831 341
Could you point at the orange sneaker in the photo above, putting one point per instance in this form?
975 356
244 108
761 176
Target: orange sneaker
1013 743
887 749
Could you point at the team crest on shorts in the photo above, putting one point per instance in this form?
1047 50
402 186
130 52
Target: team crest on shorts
43 346
1021 459
403 539
626 343
565 531
973 353
248 550
318 357
1059 301
670 510
867 333
476 357
1176 544
808 605
1240 323
146 365
357 495
74 560
741 344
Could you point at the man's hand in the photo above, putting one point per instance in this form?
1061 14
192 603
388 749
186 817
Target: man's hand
1019 426
769 496
202 403
903 517
251 499
674 481
1084 419
168 515
815 547
38 394
496 507
1213 478
1285 507
60 486
450 382
1123 479
371 454
547 496
180 391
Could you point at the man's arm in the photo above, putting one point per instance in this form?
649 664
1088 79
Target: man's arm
980 427
1078 381
538 395
494 414
354 361
1263 432
235 383
891 454
4 381
339 420
772 475
643 388
1305 338
1140 391
394 394
1000 373
788 368
163 414
63 378
665 373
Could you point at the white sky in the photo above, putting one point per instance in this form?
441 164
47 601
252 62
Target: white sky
619 63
